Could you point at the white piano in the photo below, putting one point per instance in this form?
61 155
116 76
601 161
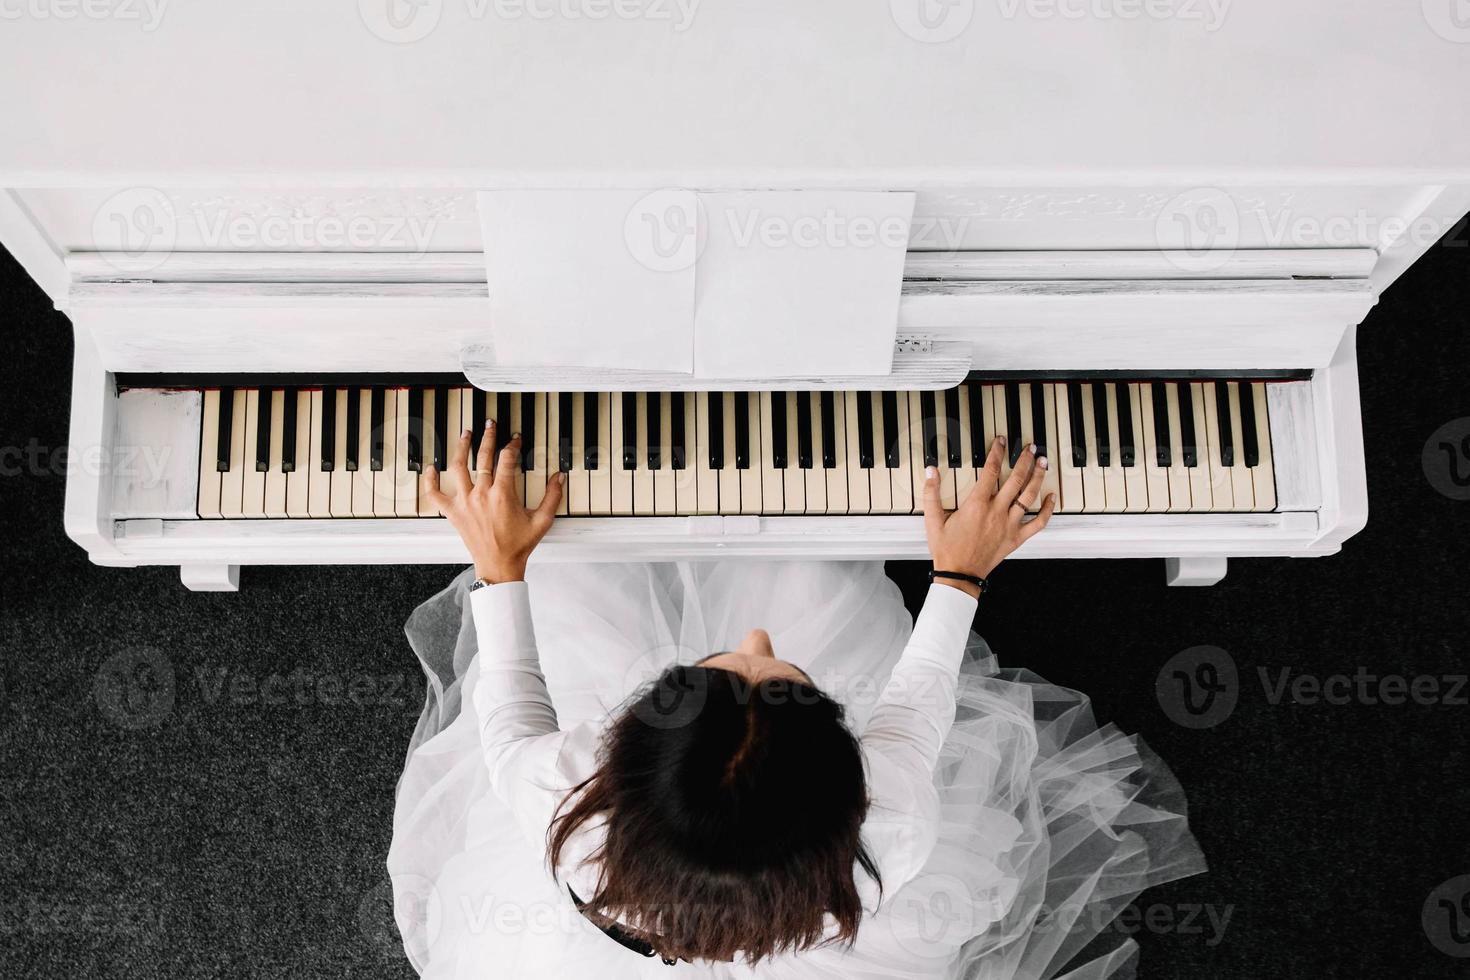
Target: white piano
1143 243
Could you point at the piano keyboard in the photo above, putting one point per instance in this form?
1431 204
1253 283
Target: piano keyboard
1114 446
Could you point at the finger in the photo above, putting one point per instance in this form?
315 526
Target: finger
990 475
546 510
429 490
1034 526
509 463
1031 492
1017 480
458 477
934 515
485 462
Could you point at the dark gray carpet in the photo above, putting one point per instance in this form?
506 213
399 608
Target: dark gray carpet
240 829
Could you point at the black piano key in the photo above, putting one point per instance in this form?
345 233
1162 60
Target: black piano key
503 428
978 449
224 432
829 430
263 430
329 430
415 430
1038 420
354 428
591 451
1226 434
890 429
1076 423
1100 433
655 427
1249 442
929 426
378 408
477 422
565 403
528 426
629 434
1161 423
440 395
678 438
1188 442
715 437
742 430
954 452
1127 451
288 432
804 429
1013 419
778 429
865 430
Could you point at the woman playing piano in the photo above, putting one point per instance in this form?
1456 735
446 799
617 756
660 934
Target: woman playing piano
741 769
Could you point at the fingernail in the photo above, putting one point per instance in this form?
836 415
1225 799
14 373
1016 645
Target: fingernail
931 472
1000 440
489 423
1031 448
465 434
1042 462
428 471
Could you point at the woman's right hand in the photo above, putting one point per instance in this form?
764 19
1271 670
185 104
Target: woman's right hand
988 524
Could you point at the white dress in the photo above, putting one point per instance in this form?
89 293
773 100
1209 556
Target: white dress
1035 828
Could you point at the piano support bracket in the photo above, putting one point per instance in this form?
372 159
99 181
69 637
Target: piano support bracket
1194 571
210 578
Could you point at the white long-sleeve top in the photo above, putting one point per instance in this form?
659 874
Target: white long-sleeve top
533 763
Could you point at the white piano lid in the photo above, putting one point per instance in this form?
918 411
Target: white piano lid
480 93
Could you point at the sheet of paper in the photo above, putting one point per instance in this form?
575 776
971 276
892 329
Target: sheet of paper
799 283
591 278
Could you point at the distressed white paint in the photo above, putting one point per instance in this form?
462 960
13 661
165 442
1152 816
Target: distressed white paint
154 457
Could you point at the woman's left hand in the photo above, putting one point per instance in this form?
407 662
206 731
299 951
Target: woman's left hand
489 515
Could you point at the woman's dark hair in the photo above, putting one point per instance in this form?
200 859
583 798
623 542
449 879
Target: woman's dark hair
733 814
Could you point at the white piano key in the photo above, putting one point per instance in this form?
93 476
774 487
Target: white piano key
859 500
966 475
880 478
362 478
1177 472
686 480
1094 478
1072 496
577 494
1241 486
600 480
385 481
232 481
252 494
836 478
815 491
793 480
1002 428
430 427
948 475
1157 476
735 498
904 500
773 490
343 481
916 448
298 481
622 477
209 474
643 476
1201 494
405 480
1051 483
1263 475
1136 477
541 440
274 505
665 478
318 480
706 480
1222 496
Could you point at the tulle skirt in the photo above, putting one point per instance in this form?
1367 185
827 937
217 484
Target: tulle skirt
1051 824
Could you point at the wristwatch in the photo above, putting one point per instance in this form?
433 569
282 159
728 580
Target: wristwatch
480 583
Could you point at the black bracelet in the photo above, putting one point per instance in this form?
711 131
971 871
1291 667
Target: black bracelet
961 576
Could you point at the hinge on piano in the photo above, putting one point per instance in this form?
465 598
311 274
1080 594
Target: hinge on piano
913 345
